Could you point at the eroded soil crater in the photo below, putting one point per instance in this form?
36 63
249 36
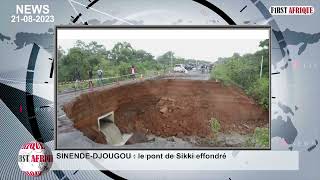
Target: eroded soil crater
167 108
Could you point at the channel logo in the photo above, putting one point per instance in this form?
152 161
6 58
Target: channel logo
35 158
291 10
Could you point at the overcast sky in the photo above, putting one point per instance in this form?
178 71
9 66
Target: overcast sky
206 44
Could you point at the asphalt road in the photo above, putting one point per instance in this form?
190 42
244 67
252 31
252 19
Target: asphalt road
192 75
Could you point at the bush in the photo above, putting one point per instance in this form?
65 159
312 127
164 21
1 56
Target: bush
215 125
260 138
260 92
124 68
244 72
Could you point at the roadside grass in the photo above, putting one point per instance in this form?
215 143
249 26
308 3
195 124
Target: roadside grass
81 85
62 87
260 138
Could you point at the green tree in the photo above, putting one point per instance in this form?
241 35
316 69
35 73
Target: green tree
122 51
166 58
264 43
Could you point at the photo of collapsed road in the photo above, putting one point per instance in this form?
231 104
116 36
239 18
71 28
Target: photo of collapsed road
162 88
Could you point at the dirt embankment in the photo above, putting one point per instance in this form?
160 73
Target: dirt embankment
168 108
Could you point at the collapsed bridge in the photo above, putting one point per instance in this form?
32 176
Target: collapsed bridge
164 108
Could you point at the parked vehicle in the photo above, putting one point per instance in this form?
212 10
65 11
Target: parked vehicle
179 68
188 67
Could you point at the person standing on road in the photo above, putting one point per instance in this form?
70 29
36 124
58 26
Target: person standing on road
100 74
133 72
90 80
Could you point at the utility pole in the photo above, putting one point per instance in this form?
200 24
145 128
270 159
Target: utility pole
261 66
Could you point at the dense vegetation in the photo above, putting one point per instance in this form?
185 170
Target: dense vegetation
114 62
244 71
